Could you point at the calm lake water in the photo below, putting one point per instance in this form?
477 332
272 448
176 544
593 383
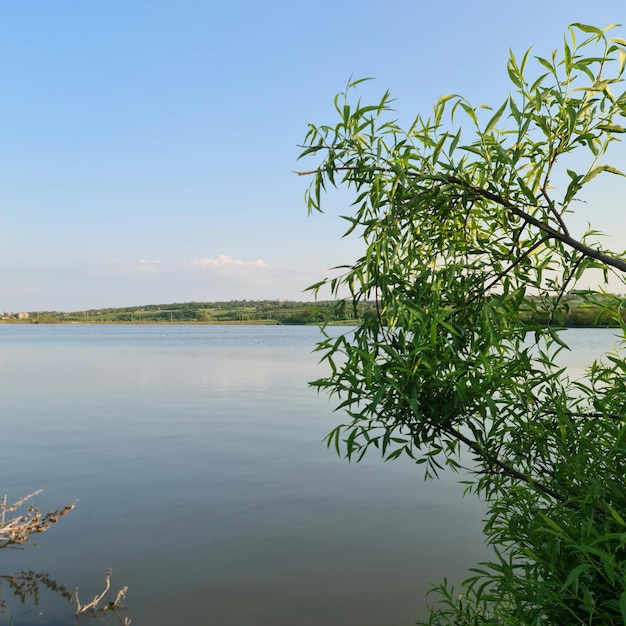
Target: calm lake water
195 455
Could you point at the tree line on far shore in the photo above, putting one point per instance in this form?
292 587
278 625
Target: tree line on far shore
581 309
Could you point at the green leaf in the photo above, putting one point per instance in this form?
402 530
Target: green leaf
587 29
514 78
574 575
622 605
622 60
616 516
469 110
530 196
358 81
567 57
611 128
546 64
494 120
454 143
592 173
394 455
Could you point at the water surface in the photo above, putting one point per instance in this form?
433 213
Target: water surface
195 454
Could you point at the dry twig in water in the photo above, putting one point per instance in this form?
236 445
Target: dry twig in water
94 605
18 529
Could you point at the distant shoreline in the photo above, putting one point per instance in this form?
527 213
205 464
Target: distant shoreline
577 309
151 323
173 323
351 322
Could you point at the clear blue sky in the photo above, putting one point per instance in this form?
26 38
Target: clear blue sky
147 147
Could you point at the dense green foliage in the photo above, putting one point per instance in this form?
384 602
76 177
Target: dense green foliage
470 261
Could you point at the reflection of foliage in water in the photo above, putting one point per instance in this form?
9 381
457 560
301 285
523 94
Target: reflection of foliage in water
25 586
28 586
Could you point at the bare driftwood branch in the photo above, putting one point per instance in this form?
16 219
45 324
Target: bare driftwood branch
18 529
95 607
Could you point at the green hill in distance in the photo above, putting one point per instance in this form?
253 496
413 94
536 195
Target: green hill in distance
232 312
577 309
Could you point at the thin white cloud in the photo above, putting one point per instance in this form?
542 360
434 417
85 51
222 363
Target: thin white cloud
224 262
148 267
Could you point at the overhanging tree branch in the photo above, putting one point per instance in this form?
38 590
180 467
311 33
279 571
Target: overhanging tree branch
451 357
618 264
553 233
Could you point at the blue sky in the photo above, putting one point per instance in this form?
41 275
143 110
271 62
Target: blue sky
147 147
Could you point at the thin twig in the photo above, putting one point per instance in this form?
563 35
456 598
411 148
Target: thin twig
94 605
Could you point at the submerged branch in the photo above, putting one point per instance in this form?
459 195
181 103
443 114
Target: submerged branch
18 529
95 607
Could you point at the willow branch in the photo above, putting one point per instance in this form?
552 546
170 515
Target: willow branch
563 237
504 468
546 228
517 261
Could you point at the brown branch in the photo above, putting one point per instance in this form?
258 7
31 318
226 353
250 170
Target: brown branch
512 265
611 261
504 468
561 294
544 188
546 228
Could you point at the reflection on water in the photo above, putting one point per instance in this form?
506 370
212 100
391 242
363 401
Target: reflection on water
195 455
27 588
30 591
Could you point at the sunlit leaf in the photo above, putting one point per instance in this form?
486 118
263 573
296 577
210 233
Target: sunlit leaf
495 119
587 29
591 174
